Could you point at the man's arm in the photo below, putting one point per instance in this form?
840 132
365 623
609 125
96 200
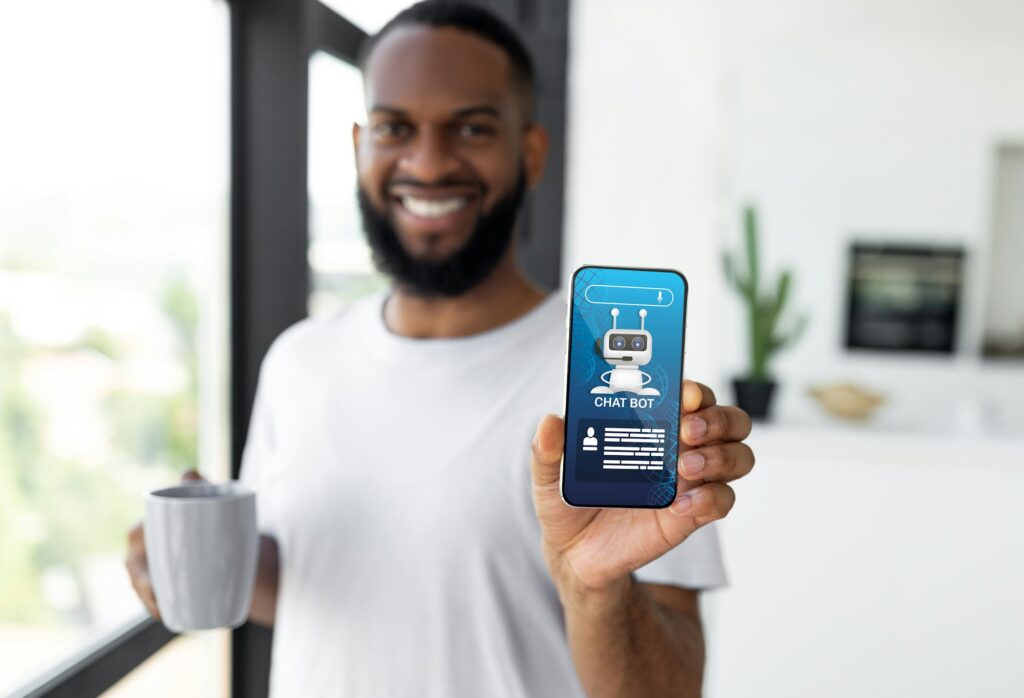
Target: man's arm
264 593
635 639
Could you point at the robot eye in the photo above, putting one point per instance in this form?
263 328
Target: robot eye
618 342
638 344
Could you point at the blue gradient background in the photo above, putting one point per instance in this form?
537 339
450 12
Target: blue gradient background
588 323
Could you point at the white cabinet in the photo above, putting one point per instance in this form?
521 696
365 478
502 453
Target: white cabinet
870 564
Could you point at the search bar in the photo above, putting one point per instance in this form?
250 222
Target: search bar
628 295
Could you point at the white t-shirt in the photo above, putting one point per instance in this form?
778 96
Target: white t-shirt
395 475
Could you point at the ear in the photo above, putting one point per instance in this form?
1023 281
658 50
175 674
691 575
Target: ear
357 133
535 152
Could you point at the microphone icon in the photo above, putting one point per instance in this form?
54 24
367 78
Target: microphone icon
659 296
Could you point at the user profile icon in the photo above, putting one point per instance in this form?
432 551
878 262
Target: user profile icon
590 441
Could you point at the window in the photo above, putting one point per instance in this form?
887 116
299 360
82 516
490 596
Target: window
339 258
113 299
114 323
368 16
340 267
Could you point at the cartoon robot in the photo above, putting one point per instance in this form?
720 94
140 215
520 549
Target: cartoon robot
626 351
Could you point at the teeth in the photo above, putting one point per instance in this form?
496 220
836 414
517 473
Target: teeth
432 208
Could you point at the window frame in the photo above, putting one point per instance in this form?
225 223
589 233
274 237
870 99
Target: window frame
271 44
99 666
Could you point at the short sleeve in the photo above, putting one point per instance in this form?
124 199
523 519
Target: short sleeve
258 467
695 564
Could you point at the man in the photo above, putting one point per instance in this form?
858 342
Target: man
408 549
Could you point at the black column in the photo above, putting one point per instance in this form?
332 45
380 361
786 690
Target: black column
544 24
269 105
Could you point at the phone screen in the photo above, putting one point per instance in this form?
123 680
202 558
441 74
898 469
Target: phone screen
623 386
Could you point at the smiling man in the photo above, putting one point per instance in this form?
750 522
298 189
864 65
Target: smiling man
413 542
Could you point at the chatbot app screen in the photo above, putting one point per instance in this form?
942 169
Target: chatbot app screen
625 370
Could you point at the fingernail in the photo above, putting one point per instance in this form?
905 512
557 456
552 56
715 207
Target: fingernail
695 428
693 463
681 505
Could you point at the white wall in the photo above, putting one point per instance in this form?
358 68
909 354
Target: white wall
868 118
643 148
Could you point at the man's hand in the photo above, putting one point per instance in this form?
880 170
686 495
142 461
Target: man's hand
138 565
596 549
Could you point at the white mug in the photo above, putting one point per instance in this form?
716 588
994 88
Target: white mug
201 545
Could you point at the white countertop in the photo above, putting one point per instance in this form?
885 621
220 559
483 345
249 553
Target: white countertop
835 440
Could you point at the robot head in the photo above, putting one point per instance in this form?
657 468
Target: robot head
627 347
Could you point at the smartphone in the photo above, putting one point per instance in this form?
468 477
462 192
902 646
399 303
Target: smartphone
623 386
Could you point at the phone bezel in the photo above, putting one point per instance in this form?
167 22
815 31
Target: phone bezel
565 400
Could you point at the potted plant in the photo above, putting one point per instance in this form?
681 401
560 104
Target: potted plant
764 311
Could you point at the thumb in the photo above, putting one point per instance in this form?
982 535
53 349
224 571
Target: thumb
547 450
192 476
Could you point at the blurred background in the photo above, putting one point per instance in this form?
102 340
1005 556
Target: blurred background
841 181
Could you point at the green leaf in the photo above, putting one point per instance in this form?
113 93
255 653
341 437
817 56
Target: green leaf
782 292
797 330
741 285
747 289
763 310
750 226
789 338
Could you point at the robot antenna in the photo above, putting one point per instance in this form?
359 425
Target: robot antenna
643 314
615 315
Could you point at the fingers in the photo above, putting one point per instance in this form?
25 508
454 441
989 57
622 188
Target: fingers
718 423
696 396
142 586
137 564
547 450
720 462
706 503
138 569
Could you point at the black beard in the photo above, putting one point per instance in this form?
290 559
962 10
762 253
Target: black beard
461 270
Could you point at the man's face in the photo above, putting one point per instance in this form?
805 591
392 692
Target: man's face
447 138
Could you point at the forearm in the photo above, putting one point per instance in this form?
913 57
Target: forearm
625 644
264 594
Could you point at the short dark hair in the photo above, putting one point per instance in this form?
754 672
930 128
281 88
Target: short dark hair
470 18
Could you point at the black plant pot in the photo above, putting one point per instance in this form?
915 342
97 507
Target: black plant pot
754 396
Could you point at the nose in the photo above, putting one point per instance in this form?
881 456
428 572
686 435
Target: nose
429 157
